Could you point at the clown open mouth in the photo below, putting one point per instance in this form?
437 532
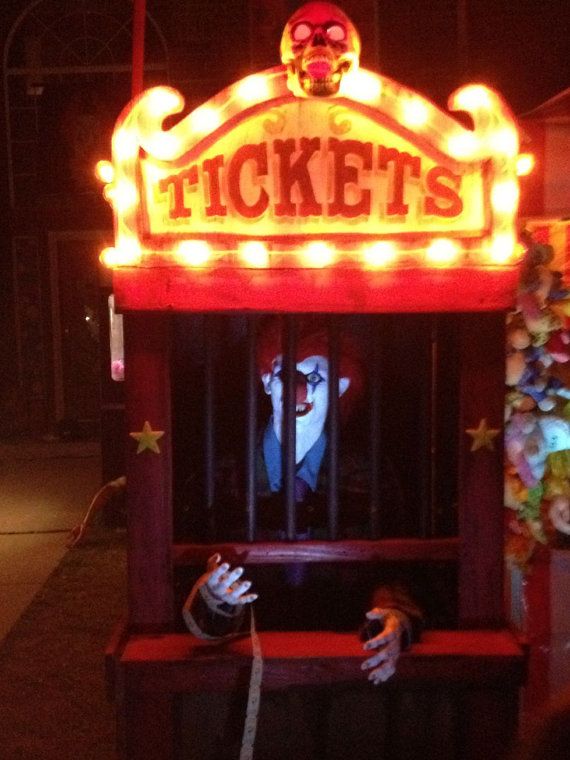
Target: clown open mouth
303 409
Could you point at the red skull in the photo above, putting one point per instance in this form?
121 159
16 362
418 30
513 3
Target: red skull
319 45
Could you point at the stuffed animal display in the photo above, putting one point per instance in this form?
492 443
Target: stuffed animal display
537 410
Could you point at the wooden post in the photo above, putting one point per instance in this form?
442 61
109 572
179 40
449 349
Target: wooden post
482 384
149 471
139 19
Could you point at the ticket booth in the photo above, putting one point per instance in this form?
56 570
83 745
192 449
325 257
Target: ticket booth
324 192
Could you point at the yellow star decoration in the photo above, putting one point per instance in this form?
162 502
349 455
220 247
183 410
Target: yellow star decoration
147 438
483 436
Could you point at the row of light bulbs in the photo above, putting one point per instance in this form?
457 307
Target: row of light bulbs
440 252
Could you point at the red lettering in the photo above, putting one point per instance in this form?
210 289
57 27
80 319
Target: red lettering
178 182
449 193
345 174
257 154
396 206
212 168
296 172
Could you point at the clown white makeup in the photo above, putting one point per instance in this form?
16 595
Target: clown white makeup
312 400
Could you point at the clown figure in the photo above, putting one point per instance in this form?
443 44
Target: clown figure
312 399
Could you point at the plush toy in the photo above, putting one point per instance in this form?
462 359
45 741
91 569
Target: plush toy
529 439
558 346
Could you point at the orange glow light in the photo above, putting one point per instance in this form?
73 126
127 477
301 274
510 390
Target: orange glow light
525 164
361 85
505 196
163 144
193 253
463 145
124 195
205 119
505 141
442 252
105 171
253 89
502 248
473 97
164 100
318 255
125 144
129 254
380 254
414 112
254 254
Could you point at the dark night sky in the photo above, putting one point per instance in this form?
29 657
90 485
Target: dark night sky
522 47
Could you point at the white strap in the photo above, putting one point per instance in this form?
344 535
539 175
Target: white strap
254 695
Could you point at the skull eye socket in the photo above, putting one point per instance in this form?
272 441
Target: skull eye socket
301 32
336 33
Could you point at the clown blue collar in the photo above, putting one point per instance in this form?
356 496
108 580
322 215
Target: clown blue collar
307 469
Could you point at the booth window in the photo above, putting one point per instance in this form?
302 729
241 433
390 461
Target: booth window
390 467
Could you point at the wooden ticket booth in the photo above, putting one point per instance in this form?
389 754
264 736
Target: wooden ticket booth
386 217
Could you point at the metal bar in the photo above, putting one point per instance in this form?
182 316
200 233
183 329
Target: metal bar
333 430
209 420
434 450
289 423
251 433
375 427
429 431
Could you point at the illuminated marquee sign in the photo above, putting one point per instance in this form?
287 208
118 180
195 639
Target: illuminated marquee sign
266 176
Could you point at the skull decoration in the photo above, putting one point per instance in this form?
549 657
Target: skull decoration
319 45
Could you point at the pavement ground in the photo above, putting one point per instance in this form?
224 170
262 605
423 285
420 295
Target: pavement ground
58 606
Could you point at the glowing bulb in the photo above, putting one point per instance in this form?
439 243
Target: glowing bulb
463 145
442 252
525 164
253 89
380 254
254 254
193 253
125 144
318 255
415 112
505 141
473 97
505 196
205 119
128 254
163 145
105 171
124 195
361 85
502 248
161 100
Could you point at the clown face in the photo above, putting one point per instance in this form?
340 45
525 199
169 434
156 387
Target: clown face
319 45
312 400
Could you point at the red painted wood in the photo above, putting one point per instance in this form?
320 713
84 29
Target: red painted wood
330 290
387 550
181 663
149 475
481 472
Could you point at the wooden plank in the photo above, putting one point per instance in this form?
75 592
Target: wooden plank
333 290
149 472
181 663
268 553
480 499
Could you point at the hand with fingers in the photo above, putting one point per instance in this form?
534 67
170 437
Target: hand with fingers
383 633
224 584
215 607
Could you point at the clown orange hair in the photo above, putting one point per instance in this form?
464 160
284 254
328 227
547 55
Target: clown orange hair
312 340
